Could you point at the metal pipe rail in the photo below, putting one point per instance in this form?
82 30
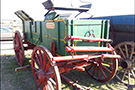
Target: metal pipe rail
84 57
89 39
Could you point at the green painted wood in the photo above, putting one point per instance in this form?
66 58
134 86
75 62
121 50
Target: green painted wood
44 32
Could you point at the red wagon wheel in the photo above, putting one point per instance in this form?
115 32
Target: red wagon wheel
45 71
102 69
126 68
18 48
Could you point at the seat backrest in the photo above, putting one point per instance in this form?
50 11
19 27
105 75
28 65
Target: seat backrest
23 16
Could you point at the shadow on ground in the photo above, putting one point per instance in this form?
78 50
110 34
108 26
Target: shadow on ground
23 80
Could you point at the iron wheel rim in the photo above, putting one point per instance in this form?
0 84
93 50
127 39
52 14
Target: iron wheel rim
18 48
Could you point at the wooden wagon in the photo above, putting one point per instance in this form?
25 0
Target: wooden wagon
61 44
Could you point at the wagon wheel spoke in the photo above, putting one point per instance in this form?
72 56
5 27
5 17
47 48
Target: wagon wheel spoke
36 64
129 77
37 58
133 74
125 71
44 62
119 71
133 60
89 67
36 69
132 52
21 51
94 70
106 68
98 72
41 58
103 72
20 63
124 75
39 85
46 76
126 49
20 58
122 53
49 73
47 66
17 40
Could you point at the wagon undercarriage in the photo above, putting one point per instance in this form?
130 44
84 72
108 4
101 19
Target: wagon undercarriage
47 68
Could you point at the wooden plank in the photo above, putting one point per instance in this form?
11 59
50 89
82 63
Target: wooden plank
22 68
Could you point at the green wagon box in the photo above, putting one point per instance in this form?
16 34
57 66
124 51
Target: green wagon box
44 32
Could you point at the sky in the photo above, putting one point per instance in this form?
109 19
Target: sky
36 10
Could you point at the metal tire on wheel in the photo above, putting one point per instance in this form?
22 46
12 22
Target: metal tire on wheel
18 48
126 68
45 71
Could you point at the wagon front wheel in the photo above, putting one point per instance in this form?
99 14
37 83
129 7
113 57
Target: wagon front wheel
126 67
45 71
18 48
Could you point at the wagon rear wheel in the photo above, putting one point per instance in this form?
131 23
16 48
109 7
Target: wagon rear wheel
45 71
102 69
126 68
18 48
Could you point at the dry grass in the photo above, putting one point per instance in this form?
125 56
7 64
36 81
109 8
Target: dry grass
23 80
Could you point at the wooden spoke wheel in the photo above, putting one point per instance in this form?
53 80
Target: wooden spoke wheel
45 71
18 48
126 67
102 69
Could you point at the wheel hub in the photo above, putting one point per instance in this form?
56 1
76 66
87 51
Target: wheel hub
41 75
126 64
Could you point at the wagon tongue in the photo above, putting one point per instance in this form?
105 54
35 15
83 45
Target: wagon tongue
74 84
23 16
